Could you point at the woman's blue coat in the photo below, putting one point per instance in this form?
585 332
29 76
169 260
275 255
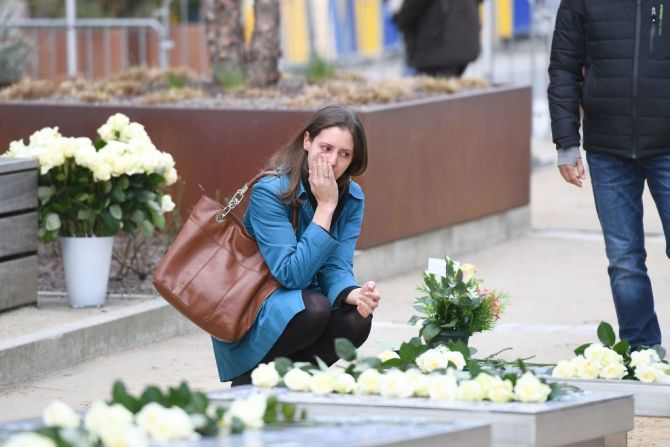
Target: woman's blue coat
309 258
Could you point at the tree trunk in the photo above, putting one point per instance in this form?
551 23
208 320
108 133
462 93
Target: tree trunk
225 39
263 57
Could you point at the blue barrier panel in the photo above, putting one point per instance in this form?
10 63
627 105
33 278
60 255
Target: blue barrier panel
521 18
391 37
344 20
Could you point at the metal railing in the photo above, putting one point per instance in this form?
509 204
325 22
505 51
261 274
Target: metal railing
143 25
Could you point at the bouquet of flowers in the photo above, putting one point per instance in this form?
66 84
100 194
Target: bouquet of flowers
614 360
455 300
97 188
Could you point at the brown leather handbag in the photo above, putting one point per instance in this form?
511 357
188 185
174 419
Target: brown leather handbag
214 273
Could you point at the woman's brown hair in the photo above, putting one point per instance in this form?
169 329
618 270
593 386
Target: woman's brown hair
291 159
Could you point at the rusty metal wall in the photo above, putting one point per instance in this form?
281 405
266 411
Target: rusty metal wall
433 162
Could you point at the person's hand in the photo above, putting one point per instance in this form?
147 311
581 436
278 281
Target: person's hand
366 299
573 174
323 183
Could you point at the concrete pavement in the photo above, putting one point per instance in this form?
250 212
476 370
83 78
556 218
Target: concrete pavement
555 273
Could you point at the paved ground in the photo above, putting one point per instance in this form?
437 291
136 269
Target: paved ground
556 275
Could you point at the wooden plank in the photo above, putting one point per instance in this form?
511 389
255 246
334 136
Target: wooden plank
19 234
8 165
18 282
18 191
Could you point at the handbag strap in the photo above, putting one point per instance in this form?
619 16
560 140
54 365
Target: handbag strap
239 195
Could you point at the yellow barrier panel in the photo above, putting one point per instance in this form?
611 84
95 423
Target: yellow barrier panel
294 31
248 20
368 26
504 18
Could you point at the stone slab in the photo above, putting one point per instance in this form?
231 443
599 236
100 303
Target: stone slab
651 399
18 282
23 231
17 164
18 191
367 431
585 419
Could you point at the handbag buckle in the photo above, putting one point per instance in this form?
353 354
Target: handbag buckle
232 203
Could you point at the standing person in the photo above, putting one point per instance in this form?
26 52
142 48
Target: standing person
441 36
612 58
319 300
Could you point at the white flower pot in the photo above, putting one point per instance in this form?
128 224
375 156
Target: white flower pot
86 261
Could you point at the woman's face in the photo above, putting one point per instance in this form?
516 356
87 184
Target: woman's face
335 143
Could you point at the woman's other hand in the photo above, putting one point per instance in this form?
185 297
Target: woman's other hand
366 299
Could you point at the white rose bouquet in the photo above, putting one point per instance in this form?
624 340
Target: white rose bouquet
97 188
614 360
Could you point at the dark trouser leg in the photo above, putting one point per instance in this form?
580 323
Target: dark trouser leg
303 330
345 322
617 188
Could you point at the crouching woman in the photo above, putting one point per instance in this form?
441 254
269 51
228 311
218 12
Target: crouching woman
312 258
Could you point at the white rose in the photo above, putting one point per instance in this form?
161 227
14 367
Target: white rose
442 387
165 424
610 356
395 383
17 149
118 121
345 383
594 354
614 371
250 411
107 132
643 358
59 414
297 380
485 380
647 374
470 390
167 204
29 440
170 176
468 271
456 358
387 355
419 382
501 391
323 382
134 131
529 389
369 382
432 359
44 137
265 375
564 370
124 436
100 415
588 370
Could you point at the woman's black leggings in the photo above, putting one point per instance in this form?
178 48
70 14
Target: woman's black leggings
312 332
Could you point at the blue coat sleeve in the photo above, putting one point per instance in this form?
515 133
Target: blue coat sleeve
337 273
292 262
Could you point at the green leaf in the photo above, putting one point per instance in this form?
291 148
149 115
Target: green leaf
321 364
44 193
180 396
270 415
118 195
153 394
283 365
152 205
111 224
52 222
660 350
580 349
121 396
99 144
146 228
473 367
199 402
393 363
123 182
158 219
288 411
345 349
429 331
138 216
236 425
622 347
116 212
606 334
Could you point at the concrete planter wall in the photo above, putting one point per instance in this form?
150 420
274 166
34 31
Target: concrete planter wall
433 162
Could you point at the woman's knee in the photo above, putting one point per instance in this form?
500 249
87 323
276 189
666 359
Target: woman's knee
360 330
317 308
